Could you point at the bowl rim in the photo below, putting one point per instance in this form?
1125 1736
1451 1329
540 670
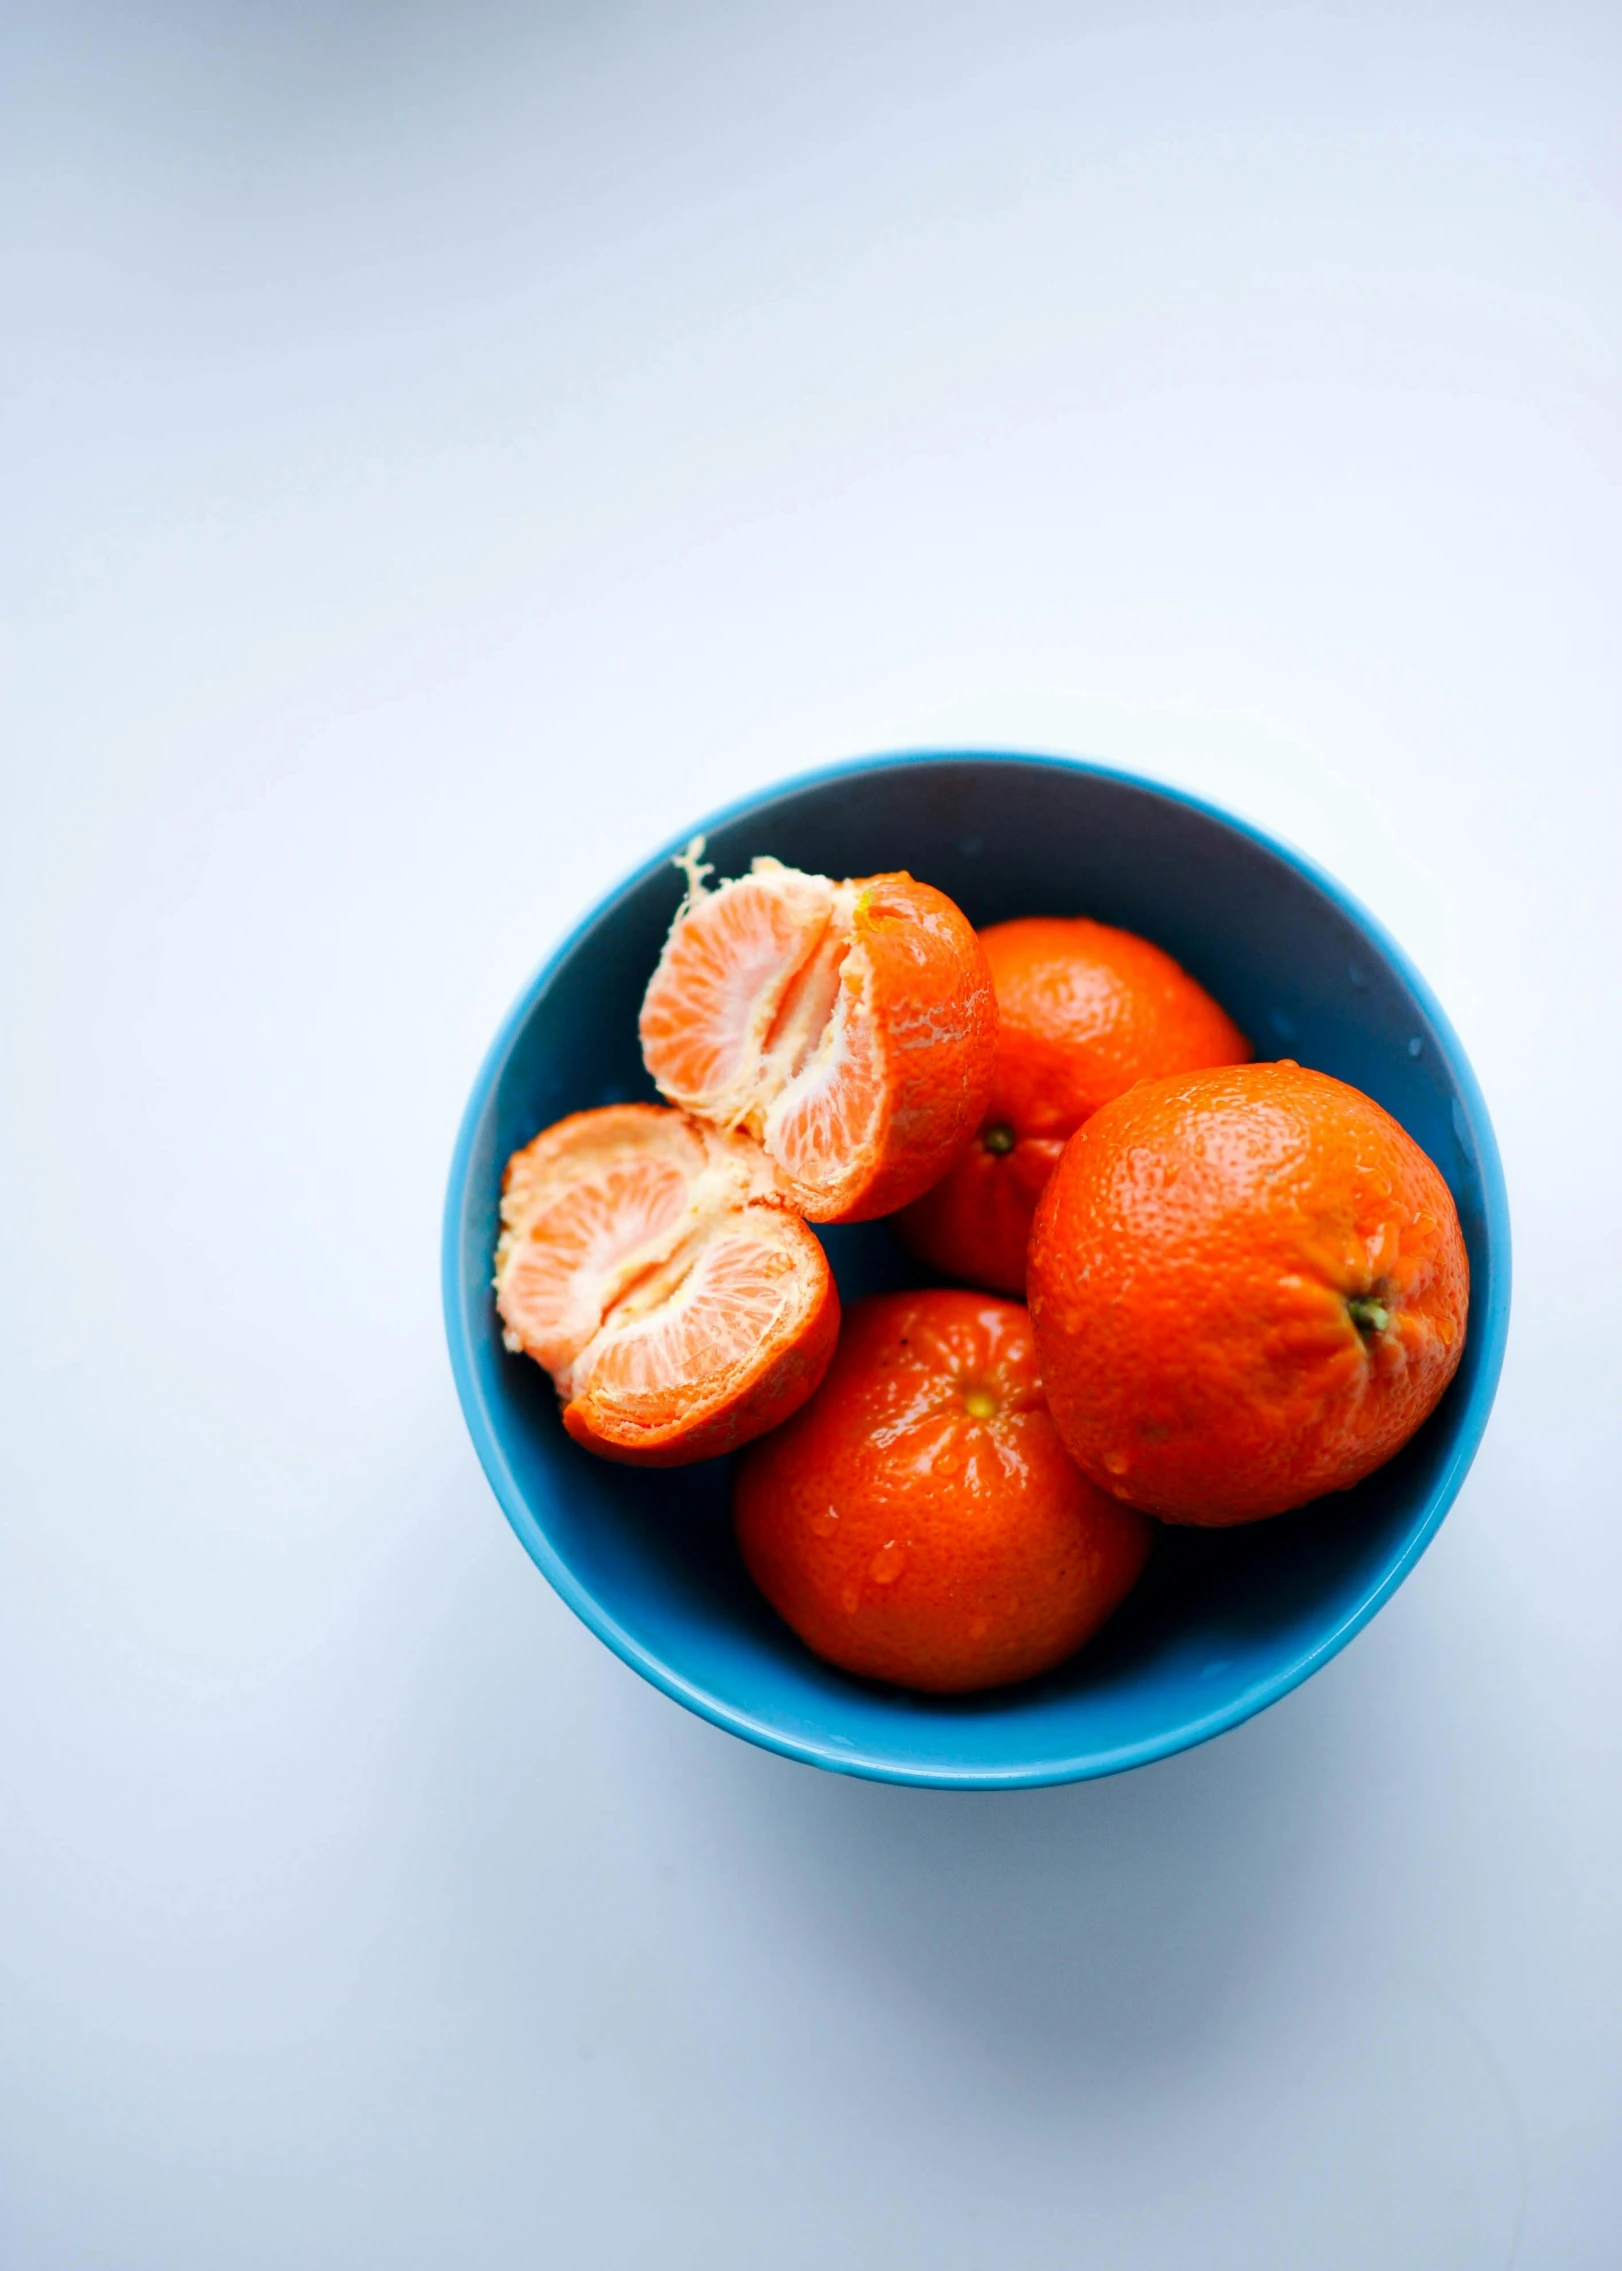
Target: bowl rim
872 1765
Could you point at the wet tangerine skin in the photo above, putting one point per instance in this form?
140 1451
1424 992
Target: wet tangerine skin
1248 1288
919 1521
934 1008
1085 1010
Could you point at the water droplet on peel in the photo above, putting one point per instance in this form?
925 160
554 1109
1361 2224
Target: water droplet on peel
850 1600
978 1628
887 1564
823 1525
1117 1462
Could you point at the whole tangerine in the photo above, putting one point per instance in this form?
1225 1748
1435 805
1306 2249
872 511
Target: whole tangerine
919 1521
1248 1287
1084 1010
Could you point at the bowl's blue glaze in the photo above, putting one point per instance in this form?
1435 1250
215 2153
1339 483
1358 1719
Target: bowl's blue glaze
1224 1623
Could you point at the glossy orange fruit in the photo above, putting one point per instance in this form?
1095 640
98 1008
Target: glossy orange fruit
919 1521
850 1027
653 1268
1084 1010
1249 1287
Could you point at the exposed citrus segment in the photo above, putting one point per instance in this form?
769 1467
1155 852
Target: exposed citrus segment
919 1520
587 1208
1084 1010
720 998
650 1265
740 1288
849 1026
833 1107
1249 1287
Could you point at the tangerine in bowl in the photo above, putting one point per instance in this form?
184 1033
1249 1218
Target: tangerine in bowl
1224 1621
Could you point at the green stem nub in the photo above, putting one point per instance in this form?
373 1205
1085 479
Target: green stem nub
999 1139
1369 1315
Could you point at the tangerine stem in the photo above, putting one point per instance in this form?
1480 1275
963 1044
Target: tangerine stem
1369 1315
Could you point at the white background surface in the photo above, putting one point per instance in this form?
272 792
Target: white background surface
447 450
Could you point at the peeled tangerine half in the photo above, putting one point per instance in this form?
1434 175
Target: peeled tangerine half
851 1028
654 1269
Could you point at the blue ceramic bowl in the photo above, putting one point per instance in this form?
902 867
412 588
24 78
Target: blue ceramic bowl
1224 1622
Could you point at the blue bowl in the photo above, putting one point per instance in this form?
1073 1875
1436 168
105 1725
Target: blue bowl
1224 1622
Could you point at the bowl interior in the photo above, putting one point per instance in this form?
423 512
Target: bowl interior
1223 1622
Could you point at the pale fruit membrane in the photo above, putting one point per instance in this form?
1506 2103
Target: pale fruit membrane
802 1011
651 1265
745 991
